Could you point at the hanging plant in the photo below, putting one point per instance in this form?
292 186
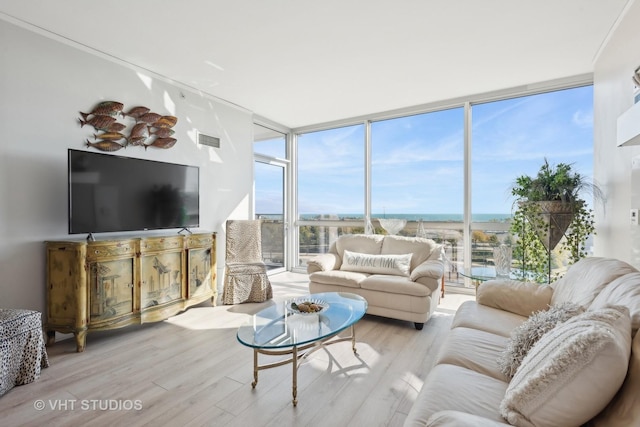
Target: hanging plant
549 211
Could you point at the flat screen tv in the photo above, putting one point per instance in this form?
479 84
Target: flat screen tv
109 193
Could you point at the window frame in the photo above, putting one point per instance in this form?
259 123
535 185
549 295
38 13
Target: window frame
467 104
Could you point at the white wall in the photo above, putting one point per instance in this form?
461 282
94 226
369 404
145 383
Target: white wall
613 94
44 83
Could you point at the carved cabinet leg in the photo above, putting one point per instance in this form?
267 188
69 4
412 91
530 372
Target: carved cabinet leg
81 338
51 338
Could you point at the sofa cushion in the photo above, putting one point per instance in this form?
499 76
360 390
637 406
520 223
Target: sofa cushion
518 297
349 279
586 278
475 350
363 243
394 285
376 264
477 316
450 387
422 249
572 372
398 306
526 335
624 409
625 290
461 419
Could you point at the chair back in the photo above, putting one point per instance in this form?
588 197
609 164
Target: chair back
244 241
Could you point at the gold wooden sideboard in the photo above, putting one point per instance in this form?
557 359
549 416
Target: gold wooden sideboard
100 285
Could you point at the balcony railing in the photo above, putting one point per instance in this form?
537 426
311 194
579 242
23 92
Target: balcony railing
317 236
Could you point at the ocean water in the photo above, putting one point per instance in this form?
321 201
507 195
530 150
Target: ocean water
493 217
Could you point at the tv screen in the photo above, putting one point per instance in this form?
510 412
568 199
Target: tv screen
110 193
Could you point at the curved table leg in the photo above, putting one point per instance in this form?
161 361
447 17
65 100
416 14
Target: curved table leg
294 389
255 368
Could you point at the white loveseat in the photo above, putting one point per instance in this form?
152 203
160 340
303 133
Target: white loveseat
398 276
582 371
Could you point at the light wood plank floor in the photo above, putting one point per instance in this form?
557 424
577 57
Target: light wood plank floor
191 371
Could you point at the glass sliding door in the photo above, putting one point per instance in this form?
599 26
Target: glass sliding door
270 172
269 195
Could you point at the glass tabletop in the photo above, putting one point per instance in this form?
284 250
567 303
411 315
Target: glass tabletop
483 274
277 326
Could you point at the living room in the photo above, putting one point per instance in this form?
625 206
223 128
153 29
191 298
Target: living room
46 79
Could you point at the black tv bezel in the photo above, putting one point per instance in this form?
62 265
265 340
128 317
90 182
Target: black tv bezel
128 159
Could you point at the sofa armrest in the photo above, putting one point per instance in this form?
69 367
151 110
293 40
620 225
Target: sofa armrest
322 262
428 273
450 418
430 268
523 298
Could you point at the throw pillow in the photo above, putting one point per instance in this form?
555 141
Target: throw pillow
399 265
527 334
572 372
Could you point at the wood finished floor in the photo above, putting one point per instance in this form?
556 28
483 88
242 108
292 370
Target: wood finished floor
191 371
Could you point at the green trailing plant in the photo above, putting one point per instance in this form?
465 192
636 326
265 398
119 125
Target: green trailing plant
529 254
531 222
582 226
554 183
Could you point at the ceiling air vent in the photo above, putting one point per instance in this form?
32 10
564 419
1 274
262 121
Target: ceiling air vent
209 140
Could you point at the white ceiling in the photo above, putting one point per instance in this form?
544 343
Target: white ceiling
303 62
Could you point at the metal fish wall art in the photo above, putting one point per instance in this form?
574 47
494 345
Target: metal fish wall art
136 112
148 130
139 129
110 136
149 118
165 122
105 145
105 108
162 143
163 132
99 122
139 134
136 140
116 127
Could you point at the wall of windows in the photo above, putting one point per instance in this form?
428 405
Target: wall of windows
446 172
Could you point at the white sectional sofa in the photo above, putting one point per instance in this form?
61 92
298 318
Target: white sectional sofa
585 370
398 276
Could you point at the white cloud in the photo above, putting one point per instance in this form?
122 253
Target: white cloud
583 119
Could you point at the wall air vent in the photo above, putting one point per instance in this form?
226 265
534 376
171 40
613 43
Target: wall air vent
211 141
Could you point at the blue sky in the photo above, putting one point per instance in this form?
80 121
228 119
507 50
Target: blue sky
418 161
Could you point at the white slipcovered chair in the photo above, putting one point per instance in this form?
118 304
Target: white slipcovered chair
246 277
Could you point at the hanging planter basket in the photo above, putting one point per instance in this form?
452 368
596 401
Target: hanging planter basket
550 219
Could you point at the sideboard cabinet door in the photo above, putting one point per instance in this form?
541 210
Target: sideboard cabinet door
112 275
201 271
161 271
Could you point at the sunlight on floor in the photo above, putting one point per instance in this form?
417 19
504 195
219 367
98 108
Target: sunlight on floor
290 284
285 285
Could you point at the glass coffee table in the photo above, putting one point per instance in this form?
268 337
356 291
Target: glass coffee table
280 330
479 274
482 274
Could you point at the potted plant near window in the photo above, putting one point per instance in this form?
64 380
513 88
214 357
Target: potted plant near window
549 206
